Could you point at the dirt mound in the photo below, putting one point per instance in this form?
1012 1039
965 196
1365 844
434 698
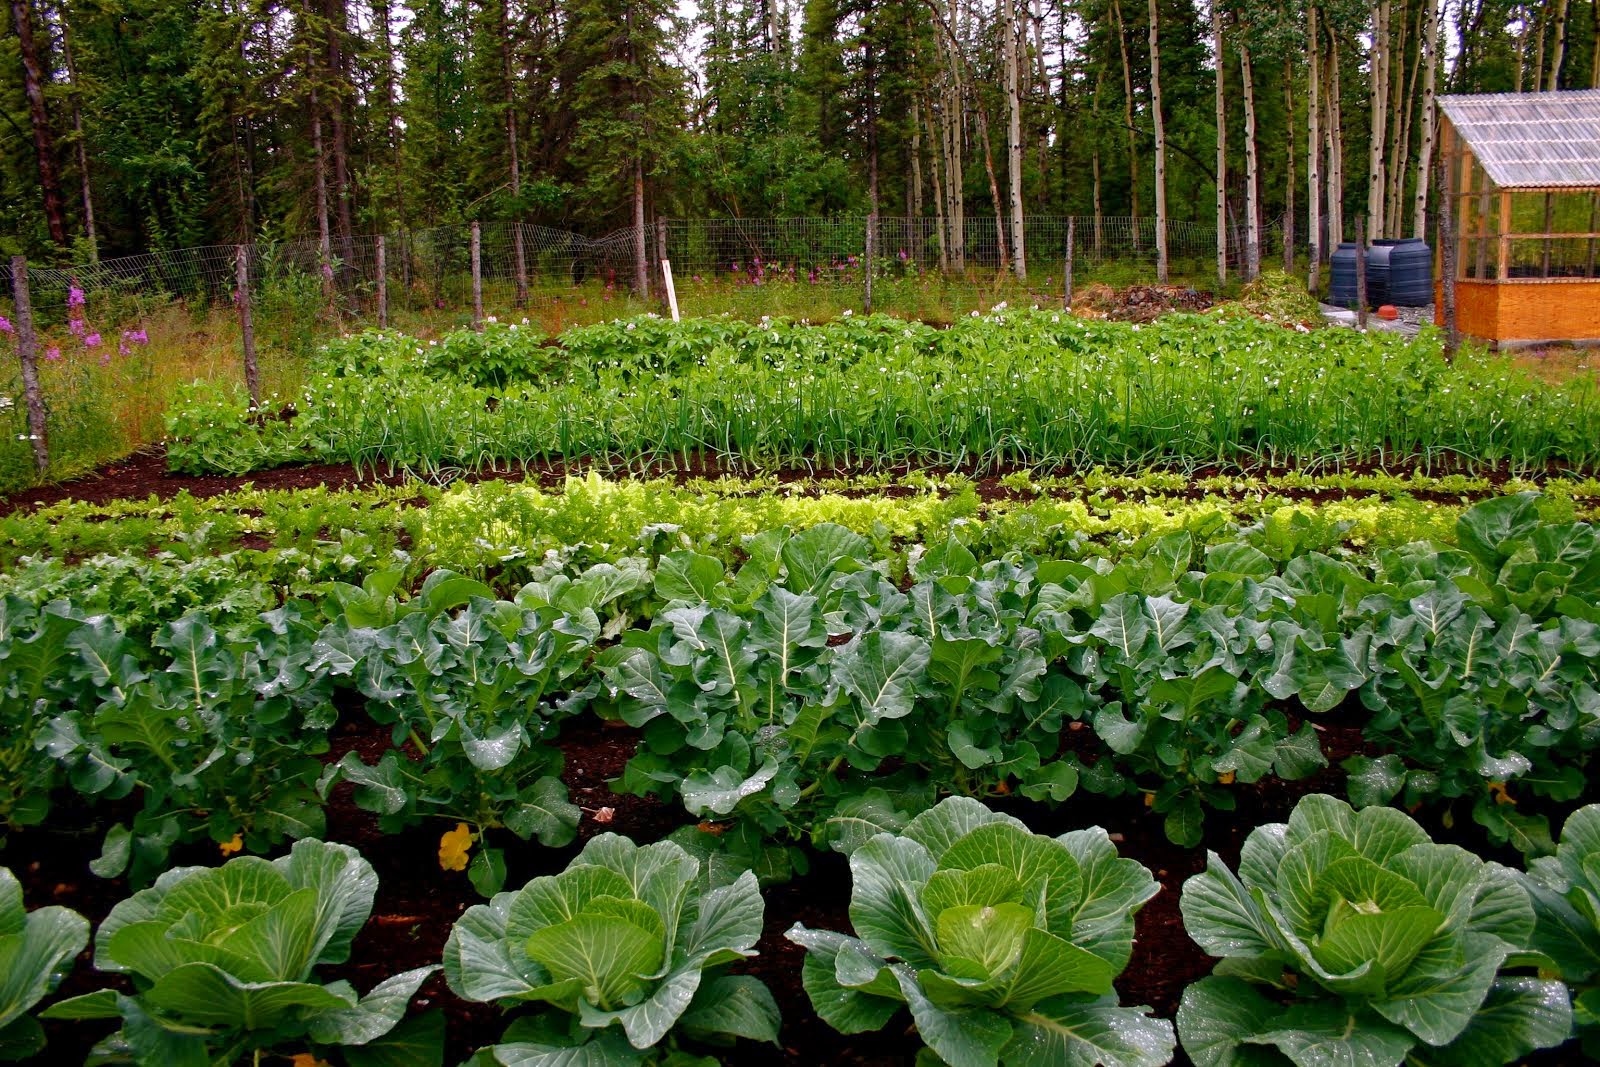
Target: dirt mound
1139 303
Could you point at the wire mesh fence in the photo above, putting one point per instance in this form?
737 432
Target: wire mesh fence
522 264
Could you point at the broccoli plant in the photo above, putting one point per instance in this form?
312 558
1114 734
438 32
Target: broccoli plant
1351 938
1003 943
622 955
36 947
1565 889
221 961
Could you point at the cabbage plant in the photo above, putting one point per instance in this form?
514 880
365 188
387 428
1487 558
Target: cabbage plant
35 948
1566 902
221 963
1002 943
1351 938
620 957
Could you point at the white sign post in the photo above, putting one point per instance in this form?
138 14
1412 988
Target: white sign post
672 292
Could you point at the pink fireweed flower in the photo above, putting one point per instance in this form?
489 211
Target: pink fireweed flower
53 353
75 297
105 358
5 325
92 341
75 327
138 337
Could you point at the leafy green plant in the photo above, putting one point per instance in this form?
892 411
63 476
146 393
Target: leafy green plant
222 963
36 947
622 957
1351 937
1003 943
1565 889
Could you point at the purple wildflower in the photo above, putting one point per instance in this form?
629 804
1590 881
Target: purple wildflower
75 297
53 353
5 325
92 341
75 327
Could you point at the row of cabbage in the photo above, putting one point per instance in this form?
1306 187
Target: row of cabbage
1010 388
805 695
1344 937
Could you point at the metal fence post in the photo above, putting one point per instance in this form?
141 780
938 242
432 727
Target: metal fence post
247 329
477 277
661 253
383 284
1066 271
872 239
27 351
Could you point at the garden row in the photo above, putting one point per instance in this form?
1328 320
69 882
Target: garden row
1343 937
1009 388
148 562
805 695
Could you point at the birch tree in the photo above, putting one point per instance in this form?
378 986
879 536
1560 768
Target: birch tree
1161 145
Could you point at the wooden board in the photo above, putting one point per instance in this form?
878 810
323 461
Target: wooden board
1533 310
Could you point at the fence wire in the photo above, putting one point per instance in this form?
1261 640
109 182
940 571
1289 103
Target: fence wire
522 264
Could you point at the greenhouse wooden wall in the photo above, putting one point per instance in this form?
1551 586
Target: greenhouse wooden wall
1515 313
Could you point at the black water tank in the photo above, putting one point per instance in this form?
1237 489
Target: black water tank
1410 273
1378 272
1342 282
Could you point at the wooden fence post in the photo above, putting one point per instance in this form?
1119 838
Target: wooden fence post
1066 271
383 284
27 351
872 239
477 277
1447 254
1361 272
247 328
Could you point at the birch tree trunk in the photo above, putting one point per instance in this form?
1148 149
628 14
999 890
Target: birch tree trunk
1430 122
1127 119
641 265
1314 150
1288 200
1222 148
44 141
1378 104
1401 113
80 149
1252 171
994 187
320 167
1558 47
1161 145
1335 147
391 111
518 252
1008 27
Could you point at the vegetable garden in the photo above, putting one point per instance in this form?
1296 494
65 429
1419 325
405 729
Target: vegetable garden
1032 691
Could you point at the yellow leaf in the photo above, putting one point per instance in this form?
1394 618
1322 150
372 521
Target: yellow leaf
1149 800
306 1059
454 846
232 845
1500 793
1225 778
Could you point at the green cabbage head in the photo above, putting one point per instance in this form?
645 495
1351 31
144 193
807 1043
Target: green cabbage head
1002 943
620 956
1350 939
36 948
221 962
1566 900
